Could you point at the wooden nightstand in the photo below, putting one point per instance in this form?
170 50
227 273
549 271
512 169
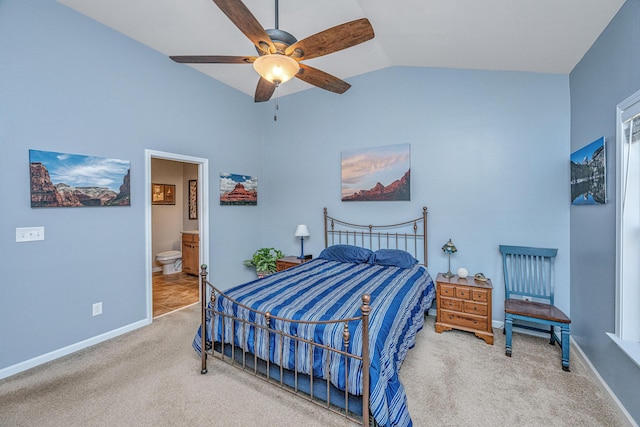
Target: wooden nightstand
464 304
290 261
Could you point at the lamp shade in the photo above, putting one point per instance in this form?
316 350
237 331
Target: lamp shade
301 231
449 248
276 68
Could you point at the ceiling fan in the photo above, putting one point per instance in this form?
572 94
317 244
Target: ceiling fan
280 53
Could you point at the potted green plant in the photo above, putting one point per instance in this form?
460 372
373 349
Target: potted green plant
264 261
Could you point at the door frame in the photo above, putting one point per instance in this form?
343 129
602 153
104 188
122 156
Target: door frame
203 213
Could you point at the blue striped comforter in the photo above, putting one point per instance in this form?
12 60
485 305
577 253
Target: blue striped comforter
325 290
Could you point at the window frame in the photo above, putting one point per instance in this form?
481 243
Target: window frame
627 316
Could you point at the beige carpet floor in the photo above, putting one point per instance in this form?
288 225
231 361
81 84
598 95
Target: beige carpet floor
151 377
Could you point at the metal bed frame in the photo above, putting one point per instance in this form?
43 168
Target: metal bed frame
341 232
374 237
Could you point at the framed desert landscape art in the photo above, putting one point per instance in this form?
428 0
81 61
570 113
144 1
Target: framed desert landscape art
238 190
74 180
377 174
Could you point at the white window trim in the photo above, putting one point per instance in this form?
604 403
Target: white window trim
632 349
627 327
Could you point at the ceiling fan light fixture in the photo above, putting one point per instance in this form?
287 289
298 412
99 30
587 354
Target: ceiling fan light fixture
276 68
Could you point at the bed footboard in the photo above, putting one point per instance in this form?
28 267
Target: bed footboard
291 380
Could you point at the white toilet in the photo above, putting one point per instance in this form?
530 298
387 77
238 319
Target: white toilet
171 261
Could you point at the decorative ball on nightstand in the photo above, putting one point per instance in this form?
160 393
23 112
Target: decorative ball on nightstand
462 273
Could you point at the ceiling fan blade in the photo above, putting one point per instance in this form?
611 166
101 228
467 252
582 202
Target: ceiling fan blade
322 80
214 59
264 90
332 40
242 17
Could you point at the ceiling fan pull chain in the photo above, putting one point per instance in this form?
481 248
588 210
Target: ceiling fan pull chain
275 113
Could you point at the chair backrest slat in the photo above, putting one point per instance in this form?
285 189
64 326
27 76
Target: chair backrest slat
529 272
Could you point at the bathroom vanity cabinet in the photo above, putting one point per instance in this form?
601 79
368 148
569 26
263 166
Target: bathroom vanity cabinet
190 253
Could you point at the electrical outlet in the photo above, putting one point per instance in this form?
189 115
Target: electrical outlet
97 309
526 297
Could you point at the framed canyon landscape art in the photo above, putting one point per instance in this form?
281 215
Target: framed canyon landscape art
377 174
238 190
74 180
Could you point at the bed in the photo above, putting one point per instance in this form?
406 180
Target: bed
303 328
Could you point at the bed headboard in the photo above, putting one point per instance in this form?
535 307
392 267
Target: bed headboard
409 235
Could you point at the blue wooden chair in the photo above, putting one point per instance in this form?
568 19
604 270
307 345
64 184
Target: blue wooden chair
529 287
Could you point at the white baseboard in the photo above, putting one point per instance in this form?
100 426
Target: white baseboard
604 384
39 360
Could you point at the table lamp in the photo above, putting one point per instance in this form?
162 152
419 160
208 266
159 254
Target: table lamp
301 231
449 248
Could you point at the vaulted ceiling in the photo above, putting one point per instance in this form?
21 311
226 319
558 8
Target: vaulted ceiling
546 36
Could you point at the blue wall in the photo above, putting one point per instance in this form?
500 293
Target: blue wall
607 75
71 85
489 158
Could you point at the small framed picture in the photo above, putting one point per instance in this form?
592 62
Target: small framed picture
163 194
193 199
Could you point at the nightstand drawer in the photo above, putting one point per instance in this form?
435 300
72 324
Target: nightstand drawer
475 308
467 321
282 265
290 261
480 295
447 291
463 293
451 304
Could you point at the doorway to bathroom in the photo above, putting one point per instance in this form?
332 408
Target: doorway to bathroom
176 229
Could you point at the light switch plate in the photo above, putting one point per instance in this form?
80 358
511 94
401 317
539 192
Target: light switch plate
97 308
29 234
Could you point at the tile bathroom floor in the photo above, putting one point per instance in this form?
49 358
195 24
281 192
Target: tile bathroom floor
173 291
